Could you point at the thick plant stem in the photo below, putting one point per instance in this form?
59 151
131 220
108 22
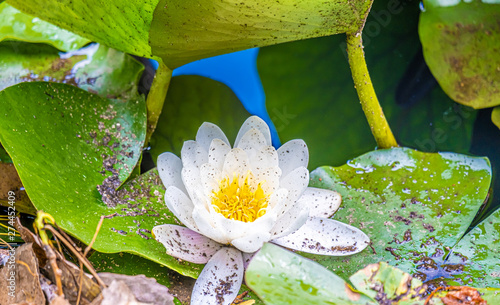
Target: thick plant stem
156 98
369 102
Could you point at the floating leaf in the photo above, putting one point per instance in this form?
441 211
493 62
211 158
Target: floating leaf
384 282
17 25
461 42
495 116
279 276
122 26
120 263
414 206
302 89
183 31
479 253
68 145
192 100
96 68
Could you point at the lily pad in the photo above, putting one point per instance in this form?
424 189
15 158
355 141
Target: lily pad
461 42
120 263
414 206
479 253
382 282
96 68
279 276
379 283
183 31
72 149
122 26
495 116
17 25
192 100
309 81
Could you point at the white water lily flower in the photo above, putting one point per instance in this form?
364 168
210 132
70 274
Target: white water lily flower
232 200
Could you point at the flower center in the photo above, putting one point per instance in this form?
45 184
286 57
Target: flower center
239 201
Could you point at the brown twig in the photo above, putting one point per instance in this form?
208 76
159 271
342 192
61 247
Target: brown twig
51 256
5 243
85 256
76 253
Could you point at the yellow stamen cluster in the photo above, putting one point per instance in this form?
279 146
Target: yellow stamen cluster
239 202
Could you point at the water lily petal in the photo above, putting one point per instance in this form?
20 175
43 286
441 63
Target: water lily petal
220 280
293 154
234 229
252 142
251 242
217 153
208 132
186 244
265 158
291 221
169 169
236 163
325 237
192 182
270 179
210 177
257 123
321 202
278 200
247 257
206 225
296 183
181 206
193 154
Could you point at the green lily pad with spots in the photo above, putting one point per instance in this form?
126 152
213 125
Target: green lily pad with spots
414 206
461 43
279 276
120 25
16 25
96 68
4 156
72 149
309 81
192 100
495 116
183 31
120 263
479 254
384 281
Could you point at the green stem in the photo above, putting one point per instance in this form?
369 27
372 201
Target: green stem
369 102
156 98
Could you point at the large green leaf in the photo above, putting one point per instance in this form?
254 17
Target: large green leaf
20 26
495 116
121 263
192 100
64 142
121 25
414 206
479 254
461 41
187 30
309 81
97 68
279 276
309 283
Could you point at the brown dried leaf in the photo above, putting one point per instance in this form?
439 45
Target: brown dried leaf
144 289
23 277
463 295
10 181
59 300
118 293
